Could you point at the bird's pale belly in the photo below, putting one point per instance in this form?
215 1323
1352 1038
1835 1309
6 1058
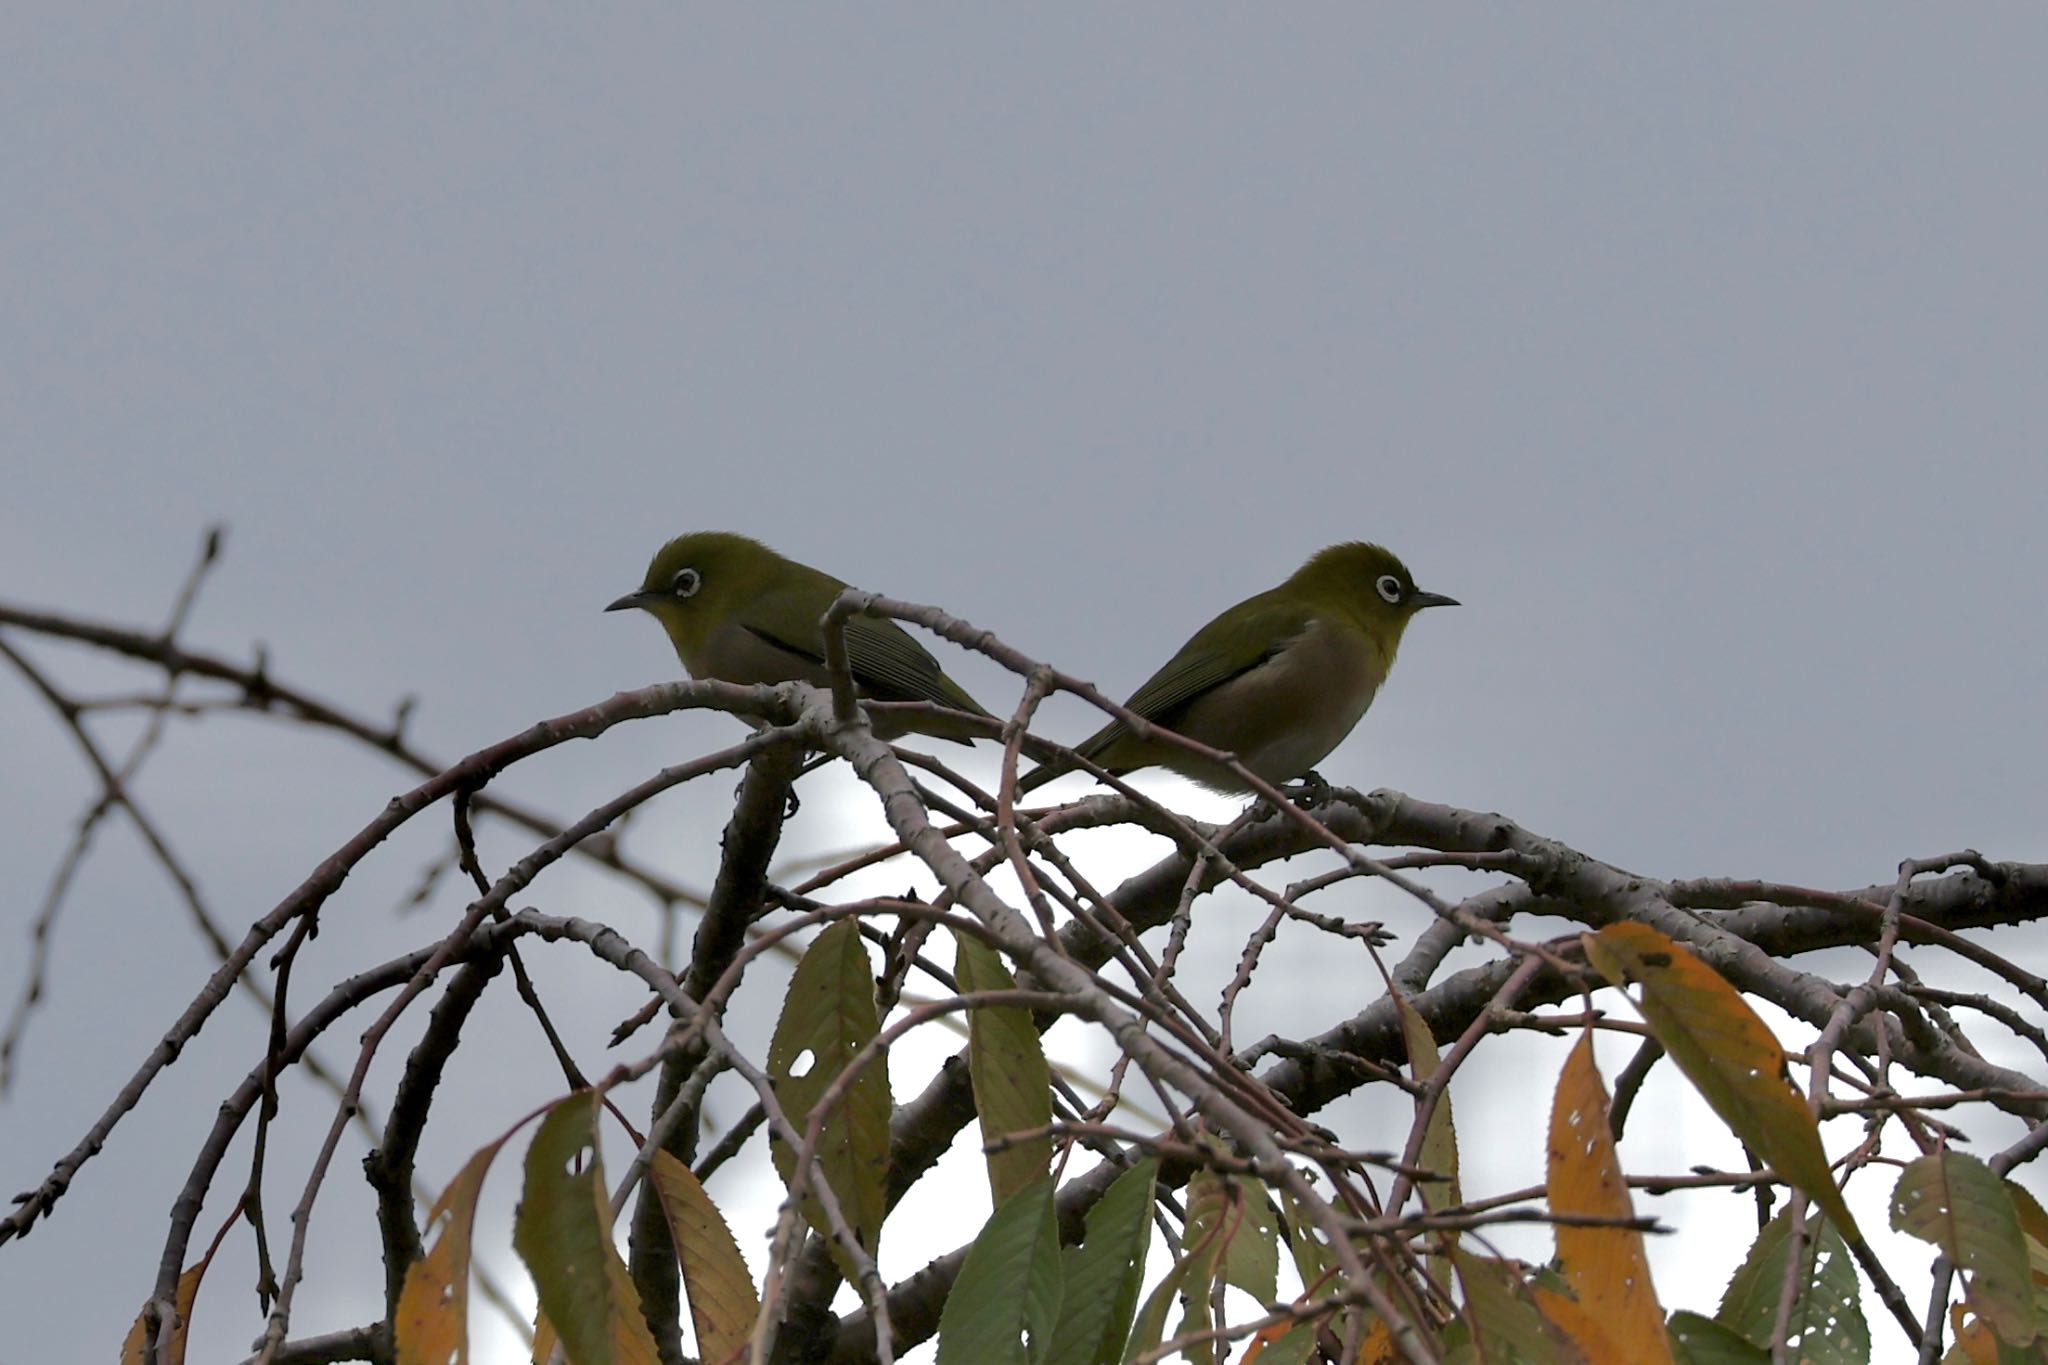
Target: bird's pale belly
1285 716
736 655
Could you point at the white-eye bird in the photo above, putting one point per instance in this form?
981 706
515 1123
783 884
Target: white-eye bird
738 612
1278 680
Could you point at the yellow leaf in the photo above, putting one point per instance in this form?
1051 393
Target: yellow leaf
723 1304
1439 1151
1587 1332
1726 1051
1974 1337
1605 1266
174 1349
1378 1346
134 1349
433 1308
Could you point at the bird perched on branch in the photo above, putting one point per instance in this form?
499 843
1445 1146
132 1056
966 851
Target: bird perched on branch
738 612
1279 679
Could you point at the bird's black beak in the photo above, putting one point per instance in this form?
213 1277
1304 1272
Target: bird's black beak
633 599
1430 599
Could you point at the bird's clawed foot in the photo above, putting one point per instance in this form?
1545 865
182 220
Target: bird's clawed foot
1311 791
1308 793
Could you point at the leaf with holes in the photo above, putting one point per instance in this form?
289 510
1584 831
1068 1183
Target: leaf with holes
433 1308
1315 1261
1003 1308
723 1304
1606 1267
1696 1340
1503 1322
1957 1203
1976 1343
1827 1321
1012 1085
1103 1275
1725 1050
1231 1216
563 1232
828 1016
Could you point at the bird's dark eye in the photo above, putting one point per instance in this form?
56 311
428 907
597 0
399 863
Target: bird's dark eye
1389 587
686 582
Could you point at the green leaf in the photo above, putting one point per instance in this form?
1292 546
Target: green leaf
1957 1203
1009 1288
1252 1260
1230 1237
1505 1325
723 1304
563 1233
1315 1260
1230 1224
1292 1348
1012 1084
2034 1232
1827 1322
1703 1341
828 1016
1726 1051
1149 1327
1439 1150
1104 1274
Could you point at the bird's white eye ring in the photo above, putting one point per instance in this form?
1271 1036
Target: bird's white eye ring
1389 587
685 583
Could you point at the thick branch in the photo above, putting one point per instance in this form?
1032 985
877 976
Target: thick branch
1363 1048
736 897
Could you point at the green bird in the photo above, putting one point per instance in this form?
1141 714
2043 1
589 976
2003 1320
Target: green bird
738 612
1279 679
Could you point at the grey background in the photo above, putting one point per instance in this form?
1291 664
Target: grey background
1700 354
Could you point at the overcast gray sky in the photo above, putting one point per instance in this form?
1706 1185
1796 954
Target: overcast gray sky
1701 353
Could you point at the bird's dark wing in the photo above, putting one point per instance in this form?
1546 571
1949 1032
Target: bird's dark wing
1228 647
893 667
886 663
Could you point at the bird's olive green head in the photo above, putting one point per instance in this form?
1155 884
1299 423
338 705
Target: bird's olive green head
698 581
1367 583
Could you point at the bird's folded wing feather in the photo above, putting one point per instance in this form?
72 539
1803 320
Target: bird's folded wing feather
895 667
886 663
1218 652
